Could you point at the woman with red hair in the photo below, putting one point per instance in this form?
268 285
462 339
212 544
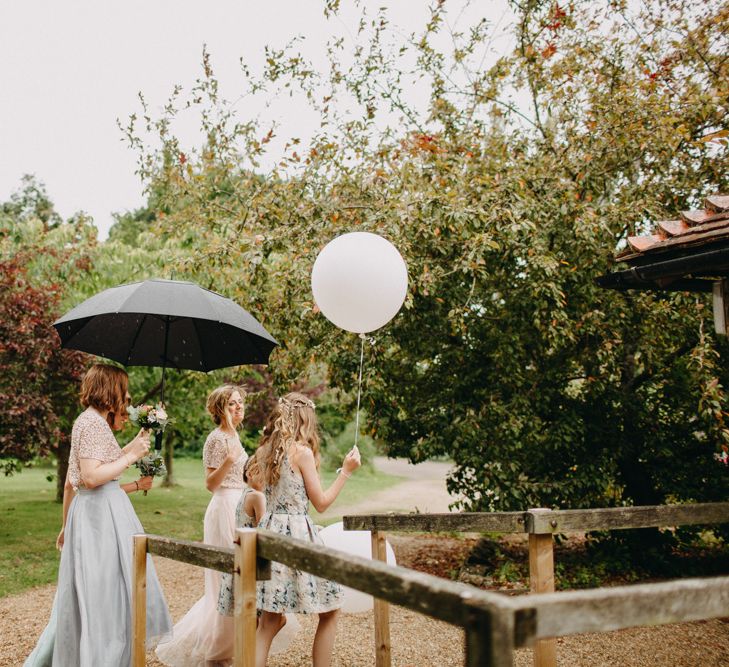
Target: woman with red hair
91 620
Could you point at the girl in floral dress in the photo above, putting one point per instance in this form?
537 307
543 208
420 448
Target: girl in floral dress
289 456
250 510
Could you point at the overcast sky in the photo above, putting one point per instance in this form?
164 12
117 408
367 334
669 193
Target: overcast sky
70 68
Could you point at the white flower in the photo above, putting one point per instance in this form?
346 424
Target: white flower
161 414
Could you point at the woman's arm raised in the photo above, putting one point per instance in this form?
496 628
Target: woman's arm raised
214 476
320 499
95 473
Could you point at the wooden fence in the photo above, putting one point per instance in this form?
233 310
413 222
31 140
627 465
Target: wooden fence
494 624
540 524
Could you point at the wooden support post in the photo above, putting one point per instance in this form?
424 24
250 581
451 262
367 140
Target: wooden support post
489 636
541 580
383 654
139 600
244 590
721 306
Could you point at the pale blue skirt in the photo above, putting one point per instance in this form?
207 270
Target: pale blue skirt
91 620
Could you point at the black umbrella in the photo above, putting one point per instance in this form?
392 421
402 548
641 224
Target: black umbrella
166 323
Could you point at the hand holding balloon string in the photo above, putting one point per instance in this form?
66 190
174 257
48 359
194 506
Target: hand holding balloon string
359 282
355 449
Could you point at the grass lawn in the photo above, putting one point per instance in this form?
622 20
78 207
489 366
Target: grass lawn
30 519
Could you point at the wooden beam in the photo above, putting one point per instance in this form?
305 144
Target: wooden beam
139 600
606 609
619 518
720 304
555 521
541 580
193 553
424 593
486 522
201 554
244 582
383 654
489 636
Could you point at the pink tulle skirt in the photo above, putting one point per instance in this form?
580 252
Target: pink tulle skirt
204 637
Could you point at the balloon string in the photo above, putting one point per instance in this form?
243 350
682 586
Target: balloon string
359 389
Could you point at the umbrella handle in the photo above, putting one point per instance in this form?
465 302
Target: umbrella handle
158 440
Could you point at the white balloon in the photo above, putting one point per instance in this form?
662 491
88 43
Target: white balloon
359 281
357 543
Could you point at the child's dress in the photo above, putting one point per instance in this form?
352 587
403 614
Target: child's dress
242 520
290 590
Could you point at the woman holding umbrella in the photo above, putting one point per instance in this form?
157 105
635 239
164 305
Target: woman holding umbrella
91 620
204 636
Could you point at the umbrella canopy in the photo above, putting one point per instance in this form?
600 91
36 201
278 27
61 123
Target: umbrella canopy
166 323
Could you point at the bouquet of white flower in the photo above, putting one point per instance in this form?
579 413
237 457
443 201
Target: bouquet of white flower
152 417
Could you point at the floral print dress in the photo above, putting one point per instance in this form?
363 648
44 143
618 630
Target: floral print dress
288 590
226 603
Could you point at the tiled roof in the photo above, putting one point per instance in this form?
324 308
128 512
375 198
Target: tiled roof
688 254
692 229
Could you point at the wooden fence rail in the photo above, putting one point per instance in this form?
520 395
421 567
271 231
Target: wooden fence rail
462 522
607 609
540 524
494 624
455 603
545 521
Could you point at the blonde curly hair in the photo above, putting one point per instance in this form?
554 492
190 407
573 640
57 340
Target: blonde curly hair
293 420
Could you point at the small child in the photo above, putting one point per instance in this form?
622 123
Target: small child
289 458
250 510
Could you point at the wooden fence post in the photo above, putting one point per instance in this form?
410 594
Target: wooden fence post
244 591
489 636
541 580
383 656
139 600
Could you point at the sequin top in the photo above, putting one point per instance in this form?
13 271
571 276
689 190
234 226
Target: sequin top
91 438
214 453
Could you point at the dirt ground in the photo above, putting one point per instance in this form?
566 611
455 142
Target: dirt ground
417 641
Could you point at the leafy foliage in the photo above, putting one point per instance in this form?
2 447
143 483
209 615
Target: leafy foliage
543 388
38 380
507 194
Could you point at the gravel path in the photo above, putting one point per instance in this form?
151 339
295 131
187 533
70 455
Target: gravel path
423 489
417 641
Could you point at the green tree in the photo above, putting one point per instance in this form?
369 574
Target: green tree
38 378
39 381
48 267
543 388
31 201
128 226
